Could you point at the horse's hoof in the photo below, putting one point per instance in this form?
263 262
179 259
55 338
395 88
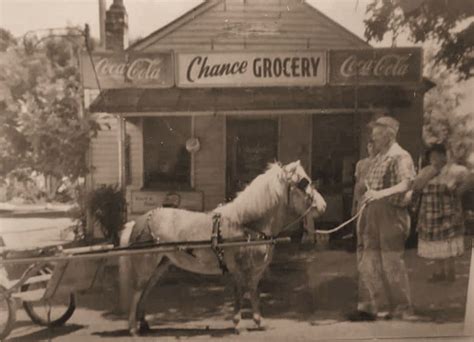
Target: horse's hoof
237 325
258 320
144 327
134 332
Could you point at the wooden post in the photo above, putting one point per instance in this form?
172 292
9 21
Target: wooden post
469 318
124 261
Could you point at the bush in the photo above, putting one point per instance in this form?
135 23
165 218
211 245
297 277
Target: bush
107 207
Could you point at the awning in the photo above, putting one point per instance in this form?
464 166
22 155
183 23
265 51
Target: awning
221 100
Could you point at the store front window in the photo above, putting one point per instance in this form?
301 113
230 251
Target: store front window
167 163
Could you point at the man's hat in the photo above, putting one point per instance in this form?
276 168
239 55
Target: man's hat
387 121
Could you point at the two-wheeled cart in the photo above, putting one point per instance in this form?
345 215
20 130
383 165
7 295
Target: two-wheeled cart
53 274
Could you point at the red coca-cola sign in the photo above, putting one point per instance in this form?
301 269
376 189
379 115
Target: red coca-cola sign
128 70
375 66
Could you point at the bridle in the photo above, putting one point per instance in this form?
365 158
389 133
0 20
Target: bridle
301 185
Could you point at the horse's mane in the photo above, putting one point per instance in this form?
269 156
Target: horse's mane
262 194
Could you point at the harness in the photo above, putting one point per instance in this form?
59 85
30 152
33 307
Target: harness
216 236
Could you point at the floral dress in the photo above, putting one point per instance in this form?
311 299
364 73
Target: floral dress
441 221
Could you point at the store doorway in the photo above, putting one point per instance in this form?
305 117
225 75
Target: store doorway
251 145
335 151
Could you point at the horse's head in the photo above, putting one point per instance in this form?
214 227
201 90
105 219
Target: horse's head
302 197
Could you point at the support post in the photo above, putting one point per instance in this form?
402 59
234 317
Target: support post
124 264
469 318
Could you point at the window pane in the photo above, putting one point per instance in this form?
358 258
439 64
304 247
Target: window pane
167 162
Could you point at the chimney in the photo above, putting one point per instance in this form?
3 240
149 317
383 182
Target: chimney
102 9
116 27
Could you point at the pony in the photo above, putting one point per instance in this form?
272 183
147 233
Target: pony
270 202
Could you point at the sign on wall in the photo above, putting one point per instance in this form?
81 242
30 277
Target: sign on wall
251 69
128 70
375 66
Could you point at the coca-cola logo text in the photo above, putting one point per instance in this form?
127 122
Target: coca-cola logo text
390 65
139 69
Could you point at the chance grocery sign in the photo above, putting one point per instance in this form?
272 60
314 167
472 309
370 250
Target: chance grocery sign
128 70
375 66
233 69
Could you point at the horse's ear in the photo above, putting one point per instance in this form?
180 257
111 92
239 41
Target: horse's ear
290 169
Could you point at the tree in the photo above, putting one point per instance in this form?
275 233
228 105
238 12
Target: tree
46 131
443 122
444 22
6 40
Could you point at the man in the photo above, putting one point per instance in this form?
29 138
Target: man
383 229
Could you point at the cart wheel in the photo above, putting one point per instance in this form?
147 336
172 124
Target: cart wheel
53 313
7 314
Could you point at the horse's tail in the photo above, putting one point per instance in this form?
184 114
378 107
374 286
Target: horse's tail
126 233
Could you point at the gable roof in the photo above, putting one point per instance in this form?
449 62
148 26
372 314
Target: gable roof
283 22
173 25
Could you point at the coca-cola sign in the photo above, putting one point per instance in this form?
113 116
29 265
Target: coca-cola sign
128 70
375 66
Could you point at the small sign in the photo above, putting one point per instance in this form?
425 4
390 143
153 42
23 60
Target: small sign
142 201
151 70
375 66
251 69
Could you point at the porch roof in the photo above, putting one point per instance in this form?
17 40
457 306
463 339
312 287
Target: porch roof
220 100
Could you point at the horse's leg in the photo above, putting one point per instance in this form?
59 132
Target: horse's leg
143 269
237 305
255 302
157 274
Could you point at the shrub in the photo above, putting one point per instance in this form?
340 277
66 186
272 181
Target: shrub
107 207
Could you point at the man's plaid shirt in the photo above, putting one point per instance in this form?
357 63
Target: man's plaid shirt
390 169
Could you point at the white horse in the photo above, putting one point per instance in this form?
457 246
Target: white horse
268 204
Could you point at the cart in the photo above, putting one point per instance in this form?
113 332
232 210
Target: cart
46 287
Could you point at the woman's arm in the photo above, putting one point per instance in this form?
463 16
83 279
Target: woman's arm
425 175
465 184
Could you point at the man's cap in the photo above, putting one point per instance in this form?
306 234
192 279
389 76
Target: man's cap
387 121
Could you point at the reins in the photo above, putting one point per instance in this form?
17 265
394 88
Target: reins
330 231
342 225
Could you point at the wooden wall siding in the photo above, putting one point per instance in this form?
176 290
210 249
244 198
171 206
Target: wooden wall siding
104 151
134 130
255 24
295 140
209 161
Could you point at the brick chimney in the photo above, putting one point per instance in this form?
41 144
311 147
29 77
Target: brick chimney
116 27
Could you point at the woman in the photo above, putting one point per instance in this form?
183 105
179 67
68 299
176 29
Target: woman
440 222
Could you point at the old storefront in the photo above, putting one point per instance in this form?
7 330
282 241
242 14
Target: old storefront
207 101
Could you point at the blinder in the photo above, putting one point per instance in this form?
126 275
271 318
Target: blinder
303 184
